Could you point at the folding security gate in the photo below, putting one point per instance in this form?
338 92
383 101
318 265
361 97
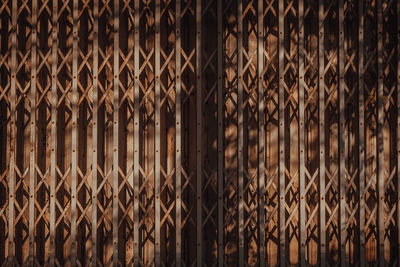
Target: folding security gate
199 132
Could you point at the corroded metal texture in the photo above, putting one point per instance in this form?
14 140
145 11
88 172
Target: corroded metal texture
199 132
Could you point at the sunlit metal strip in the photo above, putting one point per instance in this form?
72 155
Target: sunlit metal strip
74 104
115 133
53 173
321 107
381 174
398 127
95 101
302 178
11 181
32 101
281 108
136 138
240 131
342 173
220 139
178 143
261 136
199 169
361 147
157 137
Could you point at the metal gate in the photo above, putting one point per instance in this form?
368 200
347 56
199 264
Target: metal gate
199 132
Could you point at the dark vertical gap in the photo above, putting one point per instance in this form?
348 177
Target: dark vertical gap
189 132
42 138
101 198
23 76
390 83
371 119
210 125
291 112
146 124
332 117
250 126
271 81
230 75
351 121
311 123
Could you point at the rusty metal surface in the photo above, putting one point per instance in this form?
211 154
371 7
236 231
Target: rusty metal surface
199 133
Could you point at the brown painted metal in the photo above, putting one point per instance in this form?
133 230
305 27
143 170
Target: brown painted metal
321 133
261 134
361 152
302 167
178 138
184 133
398 123
53 107
12 176
341 141
281 120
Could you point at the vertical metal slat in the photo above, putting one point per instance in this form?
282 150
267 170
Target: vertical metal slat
115 133
261 136
53 173
381 177
136 138
398 128
220 139
32 134
321 108
199 170
240 130
74 104
157 136
302 210
342 177
178 115
281 111
361 147
95 128
11 181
